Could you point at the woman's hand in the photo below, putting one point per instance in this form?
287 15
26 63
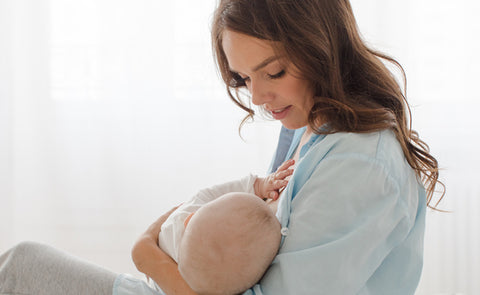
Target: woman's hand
156 264
154 229
271 186
147 241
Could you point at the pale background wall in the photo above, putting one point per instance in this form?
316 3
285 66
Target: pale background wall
111 112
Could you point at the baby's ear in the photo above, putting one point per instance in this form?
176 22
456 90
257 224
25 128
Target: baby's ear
187 220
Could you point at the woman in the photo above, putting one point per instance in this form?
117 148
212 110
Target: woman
353 213
355 206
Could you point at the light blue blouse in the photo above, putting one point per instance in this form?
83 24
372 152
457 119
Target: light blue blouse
355 213
354 217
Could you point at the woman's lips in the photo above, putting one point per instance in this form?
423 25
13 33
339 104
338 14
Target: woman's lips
279 114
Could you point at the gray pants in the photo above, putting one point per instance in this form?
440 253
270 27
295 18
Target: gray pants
35 269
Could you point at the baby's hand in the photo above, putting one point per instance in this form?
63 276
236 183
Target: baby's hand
270 186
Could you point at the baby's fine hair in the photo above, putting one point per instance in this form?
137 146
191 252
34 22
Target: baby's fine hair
229 245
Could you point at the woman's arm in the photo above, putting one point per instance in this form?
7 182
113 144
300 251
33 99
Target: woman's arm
156 264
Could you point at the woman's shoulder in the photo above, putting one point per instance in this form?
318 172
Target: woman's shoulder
381 146
377 155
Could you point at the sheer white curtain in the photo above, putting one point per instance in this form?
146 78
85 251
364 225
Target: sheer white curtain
111 112
6 176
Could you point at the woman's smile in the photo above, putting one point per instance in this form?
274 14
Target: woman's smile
279 114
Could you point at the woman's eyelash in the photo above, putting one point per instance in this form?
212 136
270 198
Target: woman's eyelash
243 79
277 75
238 80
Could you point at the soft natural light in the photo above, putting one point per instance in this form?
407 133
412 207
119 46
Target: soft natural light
111 112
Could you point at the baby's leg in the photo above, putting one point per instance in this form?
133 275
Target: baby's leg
35 269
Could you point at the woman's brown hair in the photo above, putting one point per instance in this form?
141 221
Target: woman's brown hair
354 90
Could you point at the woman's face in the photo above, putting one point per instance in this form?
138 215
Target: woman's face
272 82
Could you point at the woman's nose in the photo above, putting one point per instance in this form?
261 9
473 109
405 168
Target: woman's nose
260 93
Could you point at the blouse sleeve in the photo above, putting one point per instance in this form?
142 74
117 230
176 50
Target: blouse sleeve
344 220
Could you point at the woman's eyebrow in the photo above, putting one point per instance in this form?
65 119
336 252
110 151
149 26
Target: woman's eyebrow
261 65
264 63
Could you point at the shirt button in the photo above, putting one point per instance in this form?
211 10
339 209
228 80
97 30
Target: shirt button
284 231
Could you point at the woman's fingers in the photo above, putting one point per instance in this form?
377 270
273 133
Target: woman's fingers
165 215
155 227
173 209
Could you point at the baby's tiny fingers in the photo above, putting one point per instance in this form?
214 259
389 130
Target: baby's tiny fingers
279 184
283 174
285 165
272 195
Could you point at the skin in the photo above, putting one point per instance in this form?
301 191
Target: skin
269 187
272 85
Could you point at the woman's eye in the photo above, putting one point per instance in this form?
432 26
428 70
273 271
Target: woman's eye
244 79
239 80
277 75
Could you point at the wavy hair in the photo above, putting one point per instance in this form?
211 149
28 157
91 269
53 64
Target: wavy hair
354 90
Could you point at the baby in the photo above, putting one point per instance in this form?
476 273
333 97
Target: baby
228 244
225 237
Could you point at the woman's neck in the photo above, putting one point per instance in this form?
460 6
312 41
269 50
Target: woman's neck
308 132
305 137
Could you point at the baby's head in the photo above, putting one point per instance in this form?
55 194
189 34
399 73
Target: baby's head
228 244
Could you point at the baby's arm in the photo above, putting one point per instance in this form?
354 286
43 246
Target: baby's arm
271 186
268 187
244 185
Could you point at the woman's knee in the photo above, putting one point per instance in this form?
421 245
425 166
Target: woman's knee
13 263
20 252
25 248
